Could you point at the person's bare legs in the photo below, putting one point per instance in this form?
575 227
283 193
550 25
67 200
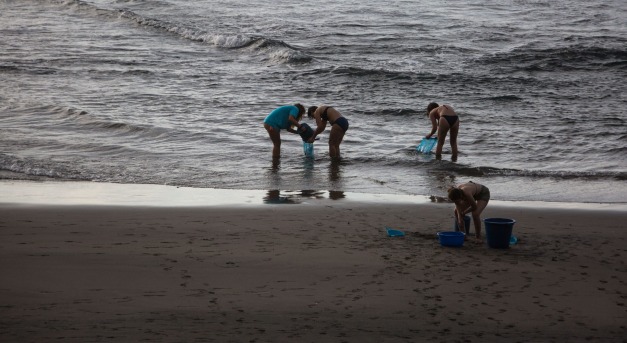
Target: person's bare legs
453 138
335 139
476 216
442 131
275 136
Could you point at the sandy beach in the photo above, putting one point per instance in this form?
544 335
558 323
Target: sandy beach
313 271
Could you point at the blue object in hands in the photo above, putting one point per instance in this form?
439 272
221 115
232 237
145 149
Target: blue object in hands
426 145
305 132
308 149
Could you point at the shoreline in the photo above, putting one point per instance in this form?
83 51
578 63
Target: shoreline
87 193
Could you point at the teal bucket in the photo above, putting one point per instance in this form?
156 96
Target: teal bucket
498 232
308 149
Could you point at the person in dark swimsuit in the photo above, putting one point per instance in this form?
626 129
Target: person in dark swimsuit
436 112
339 126
469 198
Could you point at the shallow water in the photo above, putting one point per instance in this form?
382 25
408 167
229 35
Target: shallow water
174 92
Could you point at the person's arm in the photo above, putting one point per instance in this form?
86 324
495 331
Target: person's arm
434 122
320 126
469 201
472 206
294 122
461 224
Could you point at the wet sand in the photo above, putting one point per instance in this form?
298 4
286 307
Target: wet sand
322 271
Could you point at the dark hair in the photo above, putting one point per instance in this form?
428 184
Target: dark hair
301 108
431 106
455 193
311 110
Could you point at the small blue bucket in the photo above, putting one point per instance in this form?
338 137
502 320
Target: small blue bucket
466 224
308 149
498 232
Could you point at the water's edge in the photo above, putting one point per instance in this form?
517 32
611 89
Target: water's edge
70 193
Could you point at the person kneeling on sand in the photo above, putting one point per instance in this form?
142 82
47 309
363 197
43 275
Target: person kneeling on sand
469 198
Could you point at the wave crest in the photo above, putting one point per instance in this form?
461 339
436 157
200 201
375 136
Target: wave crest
277 50
574 57
24 169
559 174
86 120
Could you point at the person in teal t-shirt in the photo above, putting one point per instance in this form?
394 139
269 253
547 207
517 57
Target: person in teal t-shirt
283 118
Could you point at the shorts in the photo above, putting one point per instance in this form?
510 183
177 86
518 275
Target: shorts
343 123
484 194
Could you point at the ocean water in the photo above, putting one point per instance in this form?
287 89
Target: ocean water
174 92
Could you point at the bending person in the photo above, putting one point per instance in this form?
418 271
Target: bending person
339 126
469 198
282 118
436 112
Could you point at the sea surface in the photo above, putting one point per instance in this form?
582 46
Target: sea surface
174 92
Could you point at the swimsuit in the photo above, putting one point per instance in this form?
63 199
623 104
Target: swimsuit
341 121
483 194
324 116
278 118
450 119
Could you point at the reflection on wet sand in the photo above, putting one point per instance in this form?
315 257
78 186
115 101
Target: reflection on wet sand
277 196
297 197
336 195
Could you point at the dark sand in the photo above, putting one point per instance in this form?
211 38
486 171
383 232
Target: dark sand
309 272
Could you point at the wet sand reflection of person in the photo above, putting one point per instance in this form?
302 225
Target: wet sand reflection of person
335 175
336 195
273 197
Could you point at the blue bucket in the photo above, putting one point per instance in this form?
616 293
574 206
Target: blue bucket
466 224
308 149
498 232
451 238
